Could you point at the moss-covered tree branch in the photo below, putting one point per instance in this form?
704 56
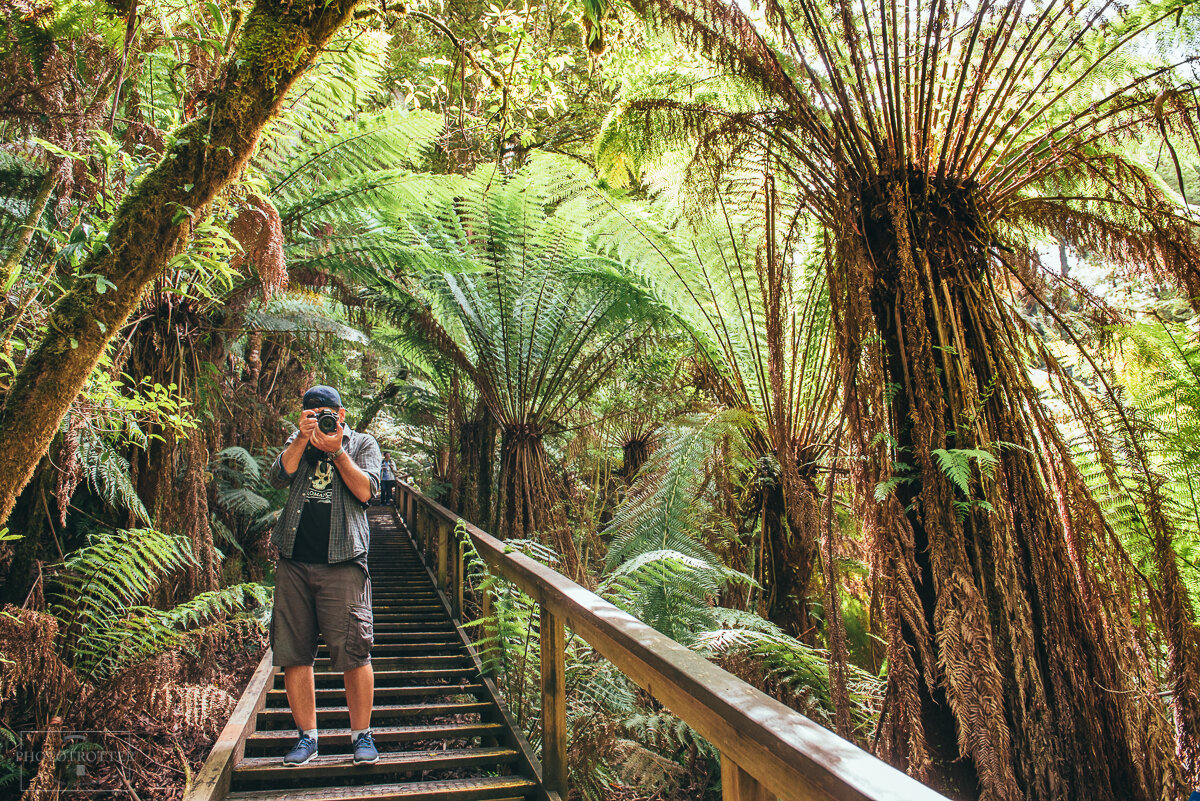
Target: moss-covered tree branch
279 42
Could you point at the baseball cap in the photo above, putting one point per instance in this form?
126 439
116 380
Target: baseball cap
322 395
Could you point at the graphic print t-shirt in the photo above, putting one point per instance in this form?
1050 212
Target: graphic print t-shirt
312 532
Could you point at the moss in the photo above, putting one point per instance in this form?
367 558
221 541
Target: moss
273 48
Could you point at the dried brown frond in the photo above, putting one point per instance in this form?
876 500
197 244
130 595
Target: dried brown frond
259 230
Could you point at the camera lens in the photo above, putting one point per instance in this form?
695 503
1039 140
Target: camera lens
327 422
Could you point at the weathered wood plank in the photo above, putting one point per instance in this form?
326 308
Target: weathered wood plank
212 780
492 787
738 785
554 703
266 768
443 554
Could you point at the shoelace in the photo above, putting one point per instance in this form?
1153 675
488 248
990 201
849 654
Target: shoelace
364 739
305 742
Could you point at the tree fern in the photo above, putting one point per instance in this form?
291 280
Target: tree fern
99 591
796 672
665 508
670 591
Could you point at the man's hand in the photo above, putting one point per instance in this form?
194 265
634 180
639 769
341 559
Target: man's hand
326 442
308 424
295 451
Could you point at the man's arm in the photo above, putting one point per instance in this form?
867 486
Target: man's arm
286 465
283 469
356 480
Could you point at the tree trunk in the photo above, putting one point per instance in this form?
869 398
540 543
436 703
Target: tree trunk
202 576
1002 684
529 500
12 263
30 520
635 452
477 443
791 530
1183 641
154 221
375 405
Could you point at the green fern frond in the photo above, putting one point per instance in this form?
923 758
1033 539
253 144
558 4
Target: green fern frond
107 473
663 509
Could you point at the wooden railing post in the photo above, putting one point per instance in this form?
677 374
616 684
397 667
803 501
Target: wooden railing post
414 523
487 629
426 527
738 785
443 554
460 579
554 704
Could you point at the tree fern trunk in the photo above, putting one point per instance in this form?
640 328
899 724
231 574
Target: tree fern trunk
279 41
796 553
1001 682
476 446
635 452
530 498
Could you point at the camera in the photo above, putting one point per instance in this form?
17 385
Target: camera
327 421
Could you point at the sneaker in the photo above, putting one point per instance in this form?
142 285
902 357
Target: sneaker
303 751
365 752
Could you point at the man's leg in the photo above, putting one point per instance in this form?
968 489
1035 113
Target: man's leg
302 695
294 645
344 611
360 695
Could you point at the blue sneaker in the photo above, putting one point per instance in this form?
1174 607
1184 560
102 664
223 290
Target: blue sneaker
302 752
365 752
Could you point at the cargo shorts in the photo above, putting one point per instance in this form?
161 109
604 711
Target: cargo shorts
331 600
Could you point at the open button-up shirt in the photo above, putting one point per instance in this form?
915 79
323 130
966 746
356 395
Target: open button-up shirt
349 532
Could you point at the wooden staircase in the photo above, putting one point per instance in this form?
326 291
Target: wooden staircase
439 727
443 734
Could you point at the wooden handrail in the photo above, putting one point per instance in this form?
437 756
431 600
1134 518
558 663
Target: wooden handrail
767 749
212 780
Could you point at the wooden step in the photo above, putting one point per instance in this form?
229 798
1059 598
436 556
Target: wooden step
261 770
393 677
329 695
397 590
393 623
390 607
426 662
406 648
446 633
277 717
486 788
335 741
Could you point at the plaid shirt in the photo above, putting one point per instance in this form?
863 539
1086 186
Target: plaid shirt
349 532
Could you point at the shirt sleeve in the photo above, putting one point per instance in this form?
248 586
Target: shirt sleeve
278 476
369 459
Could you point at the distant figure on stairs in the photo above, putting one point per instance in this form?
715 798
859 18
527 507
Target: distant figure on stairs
387 477
321 581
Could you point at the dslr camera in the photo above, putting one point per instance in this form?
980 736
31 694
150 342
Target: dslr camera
327 421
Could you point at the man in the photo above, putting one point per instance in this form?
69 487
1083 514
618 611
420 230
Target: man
387 475
321 580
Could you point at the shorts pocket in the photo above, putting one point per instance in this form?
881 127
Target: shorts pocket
360 632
